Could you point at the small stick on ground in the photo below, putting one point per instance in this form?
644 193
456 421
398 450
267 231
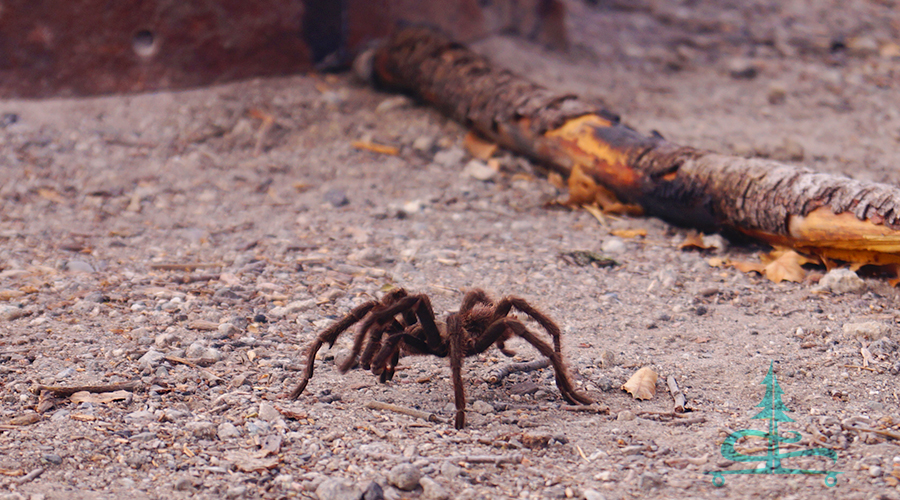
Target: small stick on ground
185 267
504 371
676 393
30 476
688 421
424 415
65 392
862 368
882 432
192 362
472 459
594 408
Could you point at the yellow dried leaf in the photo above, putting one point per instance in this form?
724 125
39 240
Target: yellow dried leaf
746 267
556 180
50 194
375 148
478 147
642 385
715 262
629 233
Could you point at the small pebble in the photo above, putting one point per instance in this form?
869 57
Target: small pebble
202 430
482 407
183 483
777 94
392 103
649 480
338 489
449 157
373 492
405 476
195 350
840 281
613 246
227 430
742 69
227 330
479 170
432 490
52 458
166 339
235 491
450 470
423 143
268 412
150 358
625 416
868 330
593 495
336 197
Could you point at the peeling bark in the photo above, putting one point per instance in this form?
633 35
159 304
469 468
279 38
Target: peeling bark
831 216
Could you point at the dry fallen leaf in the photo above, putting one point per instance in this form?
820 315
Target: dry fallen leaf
784 265
778 265
642 385
478 147
699 241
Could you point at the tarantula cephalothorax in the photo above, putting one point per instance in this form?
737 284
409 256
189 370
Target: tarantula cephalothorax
403 324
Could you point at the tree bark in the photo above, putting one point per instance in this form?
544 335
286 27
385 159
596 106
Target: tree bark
830 216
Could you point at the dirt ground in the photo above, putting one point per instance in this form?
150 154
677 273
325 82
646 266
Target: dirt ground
280 230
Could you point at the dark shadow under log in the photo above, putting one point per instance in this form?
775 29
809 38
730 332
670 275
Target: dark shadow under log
830 216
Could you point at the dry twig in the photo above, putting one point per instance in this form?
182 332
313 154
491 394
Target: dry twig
424 415
65 392
506 370
676 393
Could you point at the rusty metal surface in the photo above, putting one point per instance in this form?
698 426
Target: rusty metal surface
89 47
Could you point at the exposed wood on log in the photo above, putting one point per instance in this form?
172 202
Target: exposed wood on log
827 215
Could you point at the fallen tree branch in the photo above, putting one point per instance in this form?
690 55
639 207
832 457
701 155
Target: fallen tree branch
826 215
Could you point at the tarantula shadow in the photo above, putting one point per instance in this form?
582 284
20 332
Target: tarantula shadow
402 324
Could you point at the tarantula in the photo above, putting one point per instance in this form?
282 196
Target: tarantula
404 324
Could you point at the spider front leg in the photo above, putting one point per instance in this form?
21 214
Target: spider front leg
329 336
507 303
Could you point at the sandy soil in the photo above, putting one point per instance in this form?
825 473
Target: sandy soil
280 230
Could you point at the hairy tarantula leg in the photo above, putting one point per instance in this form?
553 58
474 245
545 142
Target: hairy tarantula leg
391 349
563 382
457 352
388 374
390 298
507 303
329 336
375 333
472 297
